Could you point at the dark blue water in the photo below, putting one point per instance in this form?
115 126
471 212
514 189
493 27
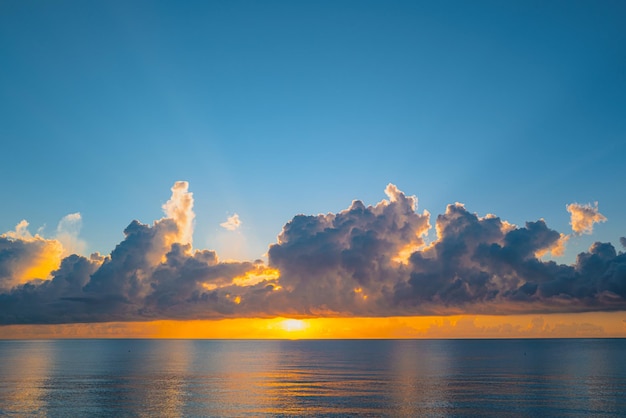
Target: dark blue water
316 378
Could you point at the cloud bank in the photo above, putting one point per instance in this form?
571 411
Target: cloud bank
363 261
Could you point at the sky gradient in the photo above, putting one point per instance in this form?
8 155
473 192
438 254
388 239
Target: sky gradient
277 116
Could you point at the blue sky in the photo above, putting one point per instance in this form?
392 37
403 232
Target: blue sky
270 109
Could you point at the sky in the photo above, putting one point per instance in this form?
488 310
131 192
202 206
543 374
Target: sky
205 129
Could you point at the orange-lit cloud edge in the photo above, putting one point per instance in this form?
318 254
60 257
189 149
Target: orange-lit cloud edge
580 325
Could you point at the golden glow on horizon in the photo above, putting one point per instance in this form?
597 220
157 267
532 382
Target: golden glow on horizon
585 325
293 325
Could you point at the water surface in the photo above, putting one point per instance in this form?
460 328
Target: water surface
58 378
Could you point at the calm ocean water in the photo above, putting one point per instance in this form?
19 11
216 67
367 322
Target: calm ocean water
82 378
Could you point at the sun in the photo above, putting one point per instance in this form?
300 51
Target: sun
293 325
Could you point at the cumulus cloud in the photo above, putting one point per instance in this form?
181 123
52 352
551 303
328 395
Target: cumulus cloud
152 273
24 257
349 256
21 231
584 216
367 260
180 210
232 223
67 233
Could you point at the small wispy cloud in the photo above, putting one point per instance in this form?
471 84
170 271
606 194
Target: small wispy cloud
67 233
232 223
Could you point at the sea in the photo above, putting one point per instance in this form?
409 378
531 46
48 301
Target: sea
325 378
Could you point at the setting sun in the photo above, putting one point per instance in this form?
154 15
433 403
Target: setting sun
293 325
312 208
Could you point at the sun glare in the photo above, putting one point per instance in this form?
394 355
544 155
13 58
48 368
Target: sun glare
293 325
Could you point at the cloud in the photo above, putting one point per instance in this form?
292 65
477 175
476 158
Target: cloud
21 231
344 263
232 223
180 210
583 217
367 260
24 257
67 233
557 249
476 265
152 273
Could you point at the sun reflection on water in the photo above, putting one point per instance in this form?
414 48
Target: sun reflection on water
25 371
311 377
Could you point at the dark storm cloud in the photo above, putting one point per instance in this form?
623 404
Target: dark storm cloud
129 284
150 274
480 265
365 260
13 253
344 263
58 300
